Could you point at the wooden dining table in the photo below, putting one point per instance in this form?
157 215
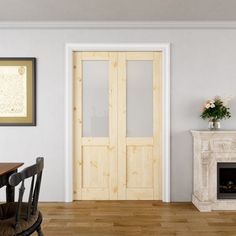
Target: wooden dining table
6 170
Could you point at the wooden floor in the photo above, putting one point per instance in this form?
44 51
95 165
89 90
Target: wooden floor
121 218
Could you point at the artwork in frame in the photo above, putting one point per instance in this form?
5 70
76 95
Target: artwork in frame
18 91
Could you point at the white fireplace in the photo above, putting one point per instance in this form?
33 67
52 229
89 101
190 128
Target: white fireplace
209 149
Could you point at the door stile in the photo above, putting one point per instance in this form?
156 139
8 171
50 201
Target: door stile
113 64
77 125
122 126
157 125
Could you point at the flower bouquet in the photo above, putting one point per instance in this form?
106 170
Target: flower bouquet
215 110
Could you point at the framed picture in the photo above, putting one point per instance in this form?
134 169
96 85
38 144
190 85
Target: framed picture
17 91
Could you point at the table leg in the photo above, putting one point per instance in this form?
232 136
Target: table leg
10 191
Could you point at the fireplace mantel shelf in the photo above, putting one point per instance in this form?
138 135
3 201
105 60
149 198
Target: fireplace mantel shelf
210 148
206 131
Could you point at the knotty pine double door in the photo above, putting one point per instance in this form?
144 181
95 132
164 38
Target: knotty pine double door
117 125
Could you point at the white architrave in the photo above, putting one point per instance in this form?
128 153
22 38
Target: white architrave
70 48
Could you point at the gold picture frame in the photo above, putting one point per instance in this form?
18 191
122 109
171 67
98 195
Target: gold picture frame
18 91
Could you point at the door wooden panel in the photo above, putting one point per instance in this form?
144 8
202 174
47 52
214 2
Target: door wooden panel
119 166
139 167
95 170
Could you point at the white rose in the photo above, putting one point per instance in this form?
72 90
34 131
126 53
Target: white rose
212 105
207 105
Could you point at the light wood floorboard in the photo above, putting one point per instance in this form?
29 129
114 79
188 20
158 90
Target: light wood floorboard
138 218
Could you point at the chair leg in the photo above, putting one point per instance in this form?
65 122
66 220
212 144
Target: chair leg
40 232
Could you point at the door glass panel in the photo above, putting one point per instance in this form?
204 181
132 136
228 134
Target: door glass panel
95 98
139 99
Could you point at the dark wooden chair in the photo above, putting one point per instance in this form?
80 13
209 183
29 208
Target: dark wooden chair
20 218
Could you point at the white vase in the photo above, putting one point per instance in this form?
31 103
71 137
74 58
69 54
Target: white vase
214 125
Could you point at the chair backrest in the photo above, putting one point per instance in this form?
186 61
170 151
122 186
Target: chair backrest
34 172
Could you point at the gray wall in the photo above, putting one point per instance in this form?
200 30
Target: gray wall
203 64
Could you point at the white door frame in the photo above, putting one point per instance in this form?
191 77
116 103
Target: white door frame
70 48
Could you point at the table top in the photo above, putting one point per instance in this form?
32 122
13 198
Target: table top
8 167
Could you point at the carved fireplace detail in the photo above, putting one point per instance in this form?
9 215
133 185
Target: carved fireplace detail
210 148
